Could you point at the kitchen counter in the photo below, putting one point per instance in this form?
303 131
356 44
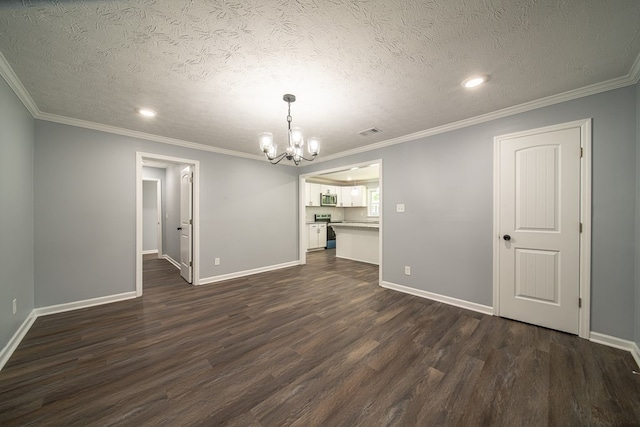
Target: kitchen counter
355 224
358 241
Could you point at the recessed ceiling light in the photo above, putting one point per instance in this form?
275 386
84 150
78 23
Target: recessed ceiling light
146 112
474 81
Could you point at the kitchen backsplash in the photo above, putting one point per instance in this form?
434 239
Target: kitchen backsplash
339 214
357 214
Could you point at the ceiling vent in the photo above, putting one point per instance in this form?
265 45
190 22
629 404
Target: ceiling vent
368 132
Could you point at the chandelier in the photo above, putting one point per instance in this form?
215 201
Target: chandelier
295 143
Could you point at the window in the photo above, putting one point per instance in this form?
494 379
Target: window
373 202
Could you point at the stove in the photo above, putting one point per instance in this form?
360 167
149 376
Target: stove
331 235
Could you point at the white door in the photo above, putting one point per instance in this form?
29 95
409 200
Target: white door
186 189
539 228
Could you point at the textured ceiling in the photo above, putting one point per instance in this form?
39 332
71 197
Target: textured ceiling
216 70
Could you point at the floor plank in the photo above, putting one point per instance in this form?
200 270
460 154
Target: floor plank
320 344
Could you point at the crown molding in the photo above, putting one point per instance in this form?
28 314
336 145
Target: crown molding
14 83
142 135
632 77
634 72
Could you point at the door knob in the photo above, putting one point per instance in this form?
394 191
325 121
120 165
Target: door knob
506 237
179 228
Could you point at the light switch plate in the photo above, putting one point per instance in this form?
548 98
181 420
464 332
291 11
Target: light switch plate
400 207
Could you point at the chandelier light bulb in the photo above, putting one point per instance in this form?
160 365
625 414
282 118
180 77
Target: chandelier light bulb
296 137
266 141
313 146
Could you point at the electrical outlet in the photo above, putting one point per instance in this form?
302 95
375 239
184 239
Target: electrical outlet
407 270
216 261
15 306
400 207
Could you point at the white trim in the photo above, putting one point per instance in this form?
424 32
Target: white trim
618 343
302 223
175 263
146 136
634 72
359 260
237 274
140 156
14 83
19 335
635 352
150 251
584 312
468 305
585 236
630 79
77 305
17 338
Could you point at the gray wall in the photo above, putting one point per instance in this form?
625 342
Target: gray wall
16 213
85 212
446 183
637 229
159 174
84 195
173 212
149 216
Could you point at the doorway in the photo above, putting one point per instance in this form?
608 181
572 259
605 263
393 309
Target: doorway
172 216
353 186
152 204
542 223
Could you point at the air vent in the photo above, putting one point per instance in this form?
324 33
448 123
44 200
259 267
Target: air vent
368 132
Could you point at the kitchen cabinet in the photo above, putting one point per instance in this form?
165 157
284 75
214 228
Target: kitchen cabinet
312 194
354 196
317 236
330 189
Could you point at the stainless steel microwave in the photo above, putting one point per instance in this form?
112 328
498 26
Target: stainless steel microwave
328 200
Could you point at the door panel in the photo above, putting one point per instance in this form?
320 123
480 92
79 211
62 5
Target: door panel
186 185
539 211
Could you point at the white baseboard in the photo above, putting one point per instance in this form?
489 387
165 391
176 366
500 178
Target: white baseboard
220 278
610 341
15 340
359 260
172 261
76 305
150 251
13 343
484 309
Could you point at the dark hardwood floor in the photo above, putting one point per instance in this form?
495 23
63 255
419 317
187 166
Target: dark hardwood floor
319 344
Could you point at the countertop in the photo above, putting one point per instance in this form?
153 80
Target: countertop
356 224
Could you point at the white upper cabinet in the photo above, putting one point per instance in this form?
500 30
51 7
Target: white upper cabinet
330 189
353 196
311 194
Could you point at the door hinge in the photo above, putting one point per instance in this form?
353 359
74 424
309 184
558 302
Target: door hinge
581 152
191 178
190 263
579 302
581 227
